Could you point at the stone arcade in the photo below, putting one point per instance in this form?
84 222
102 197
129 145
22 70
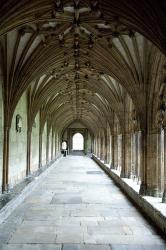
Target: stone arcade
92 67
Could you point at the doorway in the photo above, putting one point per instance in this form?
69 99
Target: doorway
78 143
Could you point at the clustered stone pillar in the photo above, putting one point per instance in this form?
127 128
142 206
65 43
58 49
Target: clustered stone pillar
153 163
139 154
5 159
112 151
126 155
164 193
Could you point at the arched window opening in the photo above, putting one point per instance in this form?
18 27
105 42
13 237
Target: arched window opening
64 145
78 142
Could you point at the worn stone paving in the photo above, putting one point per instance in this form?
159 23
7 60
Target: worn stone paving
78 207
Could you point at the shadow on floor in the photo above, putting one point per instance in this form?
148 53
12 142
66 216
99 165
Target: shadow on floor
77 152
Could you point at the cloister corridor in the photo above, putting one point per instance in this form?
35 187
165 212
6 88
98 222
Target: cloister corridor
82 124
83 210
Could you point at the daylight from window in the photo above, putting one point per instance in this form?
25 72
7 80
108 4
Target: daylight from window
78 142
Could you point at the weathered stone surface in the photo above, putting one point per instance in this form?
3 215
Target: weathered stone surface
154 213
102 219
32 247
18 142
85 247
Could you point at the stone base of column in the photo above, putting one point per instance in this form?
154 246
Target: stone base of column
129 175
5 188
143 189
123 175
164 197
154 192
111 166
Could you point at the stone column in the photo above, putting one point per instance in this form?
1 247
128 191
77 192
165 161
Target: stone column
115 152
92 144
86 141
143 162
101 147
108 148
133 155
153 163
47 144
95 146
164 193
112 152
52 147
40 148
159 164
96 142
56 145
138 152
28 169
126 155
119 151
5 159
105 148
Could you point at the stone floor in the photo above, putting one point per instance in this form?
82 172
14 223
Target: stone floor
78 207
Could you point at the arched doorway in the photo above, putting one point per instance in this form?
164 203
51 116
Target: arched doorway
78 142
64 145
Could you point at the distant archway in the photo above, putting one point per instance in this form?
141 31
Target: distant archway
78 142
64 145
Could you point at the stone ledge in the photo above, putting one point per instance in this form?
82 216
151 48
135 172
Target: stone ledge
156 216
12 204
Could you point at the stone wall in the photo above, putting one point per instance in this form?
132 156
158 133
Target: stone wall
18 145
155 215
35 145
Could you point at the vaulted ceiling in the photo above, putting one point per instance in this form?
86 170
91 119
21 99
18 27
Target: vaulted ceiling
78 59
